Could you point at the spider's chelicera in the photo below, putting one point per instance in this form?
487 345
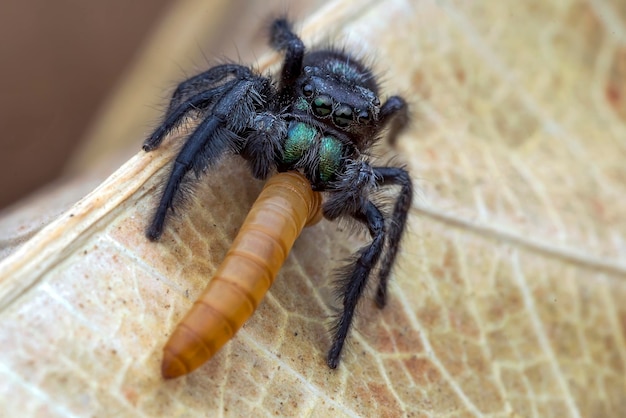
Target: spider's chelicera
320 119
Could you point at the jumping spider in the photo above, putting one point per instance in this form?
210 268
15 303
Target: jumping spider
321 119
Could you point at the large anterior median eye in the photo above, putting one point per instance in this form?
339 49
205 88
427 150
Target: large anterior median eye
322 105
343 116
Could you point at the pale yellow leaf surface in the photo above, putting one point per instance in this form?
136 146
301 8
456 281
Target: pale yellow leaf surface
509 295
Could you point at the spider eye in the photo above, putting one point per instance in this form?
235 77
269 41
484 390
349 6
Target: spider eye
363 116
376 101
343 116
322 105
307 90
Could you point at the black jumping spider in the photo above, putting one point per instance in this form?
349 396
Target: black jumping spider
321 119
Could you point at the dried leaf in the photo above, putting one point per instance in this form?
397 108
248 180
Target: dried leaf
508 295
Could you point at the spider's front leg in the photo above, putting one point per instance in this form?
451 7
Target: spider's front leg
229 110
350 197
195 93
395 113
282 38
389 176
355 280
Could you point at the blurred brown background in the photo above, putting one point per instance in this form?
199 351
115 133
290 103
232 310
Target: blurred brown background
63 61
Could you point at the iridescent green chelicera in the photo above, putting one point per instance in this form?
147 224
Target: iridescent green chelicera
330 157
301 137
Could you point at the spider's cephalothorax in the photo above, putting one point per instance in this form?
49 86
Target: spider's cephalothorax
321 119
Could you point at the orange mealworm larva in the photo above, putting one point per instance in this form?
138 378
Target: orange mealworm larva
285 206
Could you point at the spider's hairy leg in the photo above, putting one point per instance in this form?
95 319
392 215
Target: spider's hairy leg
387 176
182 165
356 279
282 38
349 197
196 92
176 115
394 112
206 80
217 133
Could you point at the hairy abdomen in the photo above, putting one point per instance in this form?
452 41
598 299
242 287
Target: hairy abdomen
285 206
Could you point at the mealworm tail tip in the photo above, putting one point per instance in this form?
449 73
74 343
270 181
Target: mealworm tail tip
172 367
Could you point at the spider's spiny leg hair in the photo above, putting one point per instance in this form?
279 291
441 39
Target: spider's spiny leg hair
394 112
174 118
357 272
182 164
282 38
215 135
207 80
393 176
197 92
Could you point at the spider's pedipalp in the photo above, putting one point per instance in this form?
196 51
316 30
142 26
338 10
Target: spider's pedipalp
264 145
351 190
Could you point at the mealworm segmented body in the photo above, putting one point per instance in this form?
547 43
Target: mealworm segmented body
285 206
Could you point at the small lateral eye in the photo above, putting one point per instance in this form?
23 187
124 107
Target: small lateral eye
343 116
307 90
322 105
363 116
